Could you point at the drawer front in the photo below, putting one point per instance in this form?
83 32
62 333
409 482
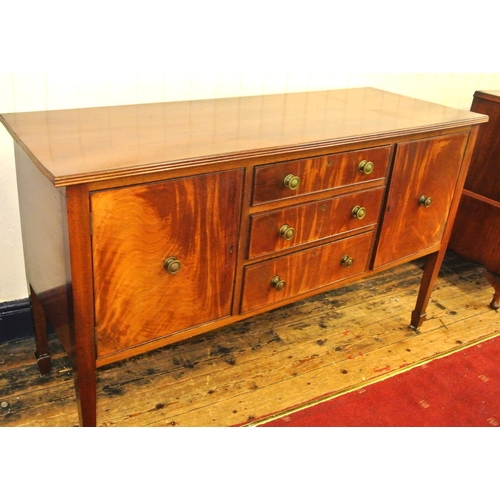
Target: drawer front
139 296
294 226
423 183
279 180
284 277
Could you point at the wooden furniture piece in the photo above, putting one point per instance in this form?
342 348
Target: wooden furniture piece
477 235
147 224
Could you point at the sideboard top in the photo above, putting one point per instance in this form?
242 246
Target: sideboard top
80 145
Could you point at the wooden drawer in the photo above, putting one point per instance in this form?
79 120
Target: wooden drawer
269 232
304 271
318 173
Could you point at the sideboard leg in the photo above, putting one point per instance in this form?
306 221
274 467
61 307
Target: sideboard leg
85 377
41 337
85 387
429 277
82 332
495 283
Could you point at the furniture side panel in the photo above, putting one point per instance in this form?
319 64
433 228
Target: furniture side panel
476 235
485 162
45 240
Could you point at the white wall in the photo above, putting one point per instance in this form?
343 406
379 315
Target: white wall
96 55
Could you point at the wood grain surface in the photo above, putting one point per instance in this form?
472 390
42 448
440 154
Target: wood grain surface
136 229
422 168
313 221
80 145
304 271
318 173
483 171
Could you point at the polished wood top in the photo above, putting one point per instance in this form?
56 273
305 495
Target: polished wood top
492 95
80 145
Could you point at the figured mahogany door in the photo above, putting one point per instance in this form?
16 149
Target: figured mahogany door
164 257
424 176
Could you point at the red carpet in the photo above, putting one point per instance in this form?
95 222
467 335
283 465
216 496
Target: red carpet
459 390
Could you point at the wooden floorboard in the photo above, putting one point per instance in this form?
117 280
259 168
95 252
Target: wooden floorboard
319 347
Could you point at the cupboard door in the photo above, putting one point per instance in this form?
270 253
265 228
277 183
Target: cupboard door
421 189
164 257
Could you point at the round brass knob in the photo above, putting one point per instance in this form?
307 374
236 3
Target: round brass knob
291 182
366 167
287 232
358 212
172 265
347 261
278 283
424 201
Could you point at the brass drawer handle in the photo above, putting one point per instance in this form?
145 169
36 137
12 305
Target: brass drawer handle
358 212
347 261
278 283
172 265
366 167
424 201
291 182
287 232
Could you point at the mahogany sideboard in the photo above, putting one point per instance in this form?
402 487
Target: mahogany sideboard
146 224
476 235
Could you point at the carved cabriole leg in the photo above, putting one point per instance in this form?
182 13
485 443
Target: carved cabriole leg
495 283
83 303
41 337
429 277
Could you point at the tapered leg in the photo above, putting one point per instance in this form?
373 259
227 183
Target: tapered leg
429 277
41 336
82 298
495 283
85 387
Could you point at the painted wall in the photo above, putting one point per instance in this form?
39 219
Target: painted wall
98 55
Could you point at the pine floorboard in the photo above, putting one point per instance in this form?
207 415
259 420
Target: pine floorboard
258 368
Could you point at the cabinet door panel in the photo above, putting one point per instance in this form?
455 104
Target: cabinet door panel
136 229
423 170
